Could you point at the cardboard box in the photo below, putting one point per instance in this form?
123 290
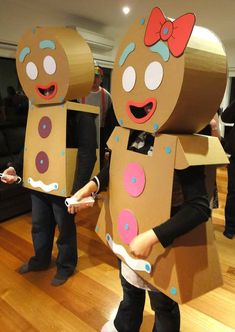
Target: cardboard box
184 270
172 95
49 166
54 65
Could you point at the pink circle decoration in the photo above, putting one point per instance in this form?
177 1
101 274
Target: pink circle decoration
134 179
42 162
44 127
127 226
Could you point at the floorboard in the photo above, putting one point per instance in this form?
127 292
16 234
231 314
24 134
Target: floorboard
29 303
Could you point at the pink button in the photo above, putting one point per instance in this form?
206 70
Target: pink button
134 179
127 226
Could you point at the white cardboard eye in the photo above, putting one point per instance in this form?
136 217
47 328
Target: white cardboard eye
49 65
153 75
31 70
129 79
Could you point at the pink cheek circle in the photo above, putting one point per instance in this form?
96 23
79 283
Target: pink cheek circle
127 226
134 179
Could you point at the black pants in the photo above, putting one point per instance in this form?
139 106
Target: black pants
230 200
130 312
47 212
102 147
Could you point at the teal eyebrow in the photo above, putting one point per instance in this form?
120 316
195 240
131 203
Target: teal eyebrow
47 44
162 49
130 48
24 53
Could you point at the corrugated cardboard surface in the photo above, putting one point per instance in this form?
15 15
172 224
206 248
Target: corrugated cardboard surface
191 90
181 271
62 161
74 73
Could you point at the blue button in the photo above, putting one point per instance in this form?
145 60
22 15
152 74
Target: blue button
155 126
173 291
133 179
117 138
147 267
168 149
126 227
165 31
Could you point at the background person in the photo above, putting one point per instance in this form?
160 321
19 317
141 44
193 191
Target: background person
228 116
100 97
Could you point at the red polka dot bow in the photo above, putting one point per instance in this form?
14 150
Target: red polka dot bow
176 33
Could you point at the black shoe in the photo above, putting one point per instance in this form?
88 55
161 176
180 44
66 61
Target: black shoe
228 235
59 280
24 268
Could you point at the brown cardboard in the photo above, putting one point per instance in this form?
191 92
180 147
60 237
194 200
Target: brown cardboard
74 72
199 150
62 160
182 93
176 272
53 65
192 87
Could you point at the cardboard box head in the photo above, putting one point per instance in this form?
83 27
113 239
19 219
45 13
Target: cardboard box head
169 76
54 65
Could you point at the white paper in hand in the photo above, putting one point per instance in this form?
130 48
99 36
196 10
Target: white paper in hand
71 201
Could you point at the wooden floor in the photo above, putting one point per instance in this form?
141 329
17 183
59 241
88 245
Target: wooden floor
29 303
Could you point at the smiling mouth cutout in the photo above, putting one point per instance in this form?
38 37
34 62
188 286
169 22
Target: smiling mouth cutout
47 91
141 112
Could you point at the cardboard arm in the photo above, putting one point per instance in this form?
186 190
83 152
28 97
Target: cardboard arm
82 107
195 150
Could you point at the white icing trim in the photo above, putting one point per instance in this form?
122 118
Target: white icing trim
97 183
134 264
45 187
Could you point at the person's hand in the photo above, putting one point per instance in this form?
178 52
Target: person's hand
85 191
141 246
9 175
214 124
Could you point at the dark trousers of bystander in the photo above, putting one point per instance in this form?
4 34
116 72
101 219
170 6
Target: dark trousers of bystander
230 200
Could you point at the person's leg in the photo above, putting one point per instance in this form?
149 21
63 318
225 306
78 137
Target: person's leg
230 206
43 228
167 314
67 240
130 312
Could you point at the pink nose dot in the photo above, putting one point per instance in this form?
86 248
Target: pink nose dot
127 226
134 179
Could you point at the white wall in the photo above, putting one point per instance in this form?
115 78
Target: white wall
16 17
230 51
